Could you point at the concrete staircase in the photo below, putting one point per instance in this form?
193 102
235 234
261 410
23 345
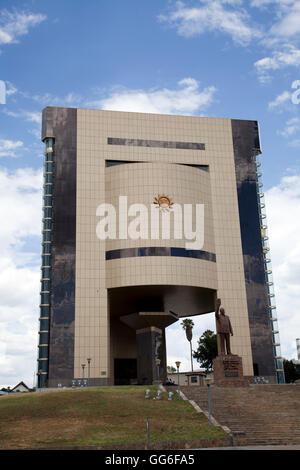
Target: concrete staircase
263 414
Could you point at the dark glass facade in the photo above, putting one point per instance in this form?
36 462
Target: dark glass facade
58 259
246 146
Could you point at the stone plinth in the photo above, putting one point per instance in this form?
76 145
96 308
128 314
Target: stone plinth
228 371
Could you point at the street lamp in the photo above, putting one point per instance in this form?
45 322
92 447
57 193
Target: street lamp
157 362
208 380
83 366
178 365
89 363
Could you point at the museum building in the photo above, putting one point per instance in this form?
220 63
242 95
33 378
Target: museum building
117 266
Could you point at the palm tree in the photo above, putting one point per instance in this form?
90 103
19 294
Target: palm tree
187 324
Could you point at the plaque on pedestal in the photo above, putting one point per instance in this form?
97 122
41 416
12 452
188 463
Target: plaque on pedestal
228 371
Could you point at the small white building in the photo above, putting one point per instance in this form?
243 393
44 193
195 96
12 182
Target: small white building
21 387
188 378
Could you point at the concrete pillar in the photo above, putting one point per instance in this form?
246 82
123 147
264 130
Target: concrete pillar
150 346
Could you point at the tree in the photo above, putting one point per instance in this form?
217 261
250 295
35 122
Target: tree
207 349
171 369
187 324
291 371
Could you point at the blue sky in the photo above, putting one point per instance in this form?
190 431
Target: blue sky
217 58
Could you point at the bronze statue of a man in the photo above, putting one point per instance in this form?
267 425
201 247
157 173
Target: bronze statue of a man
224 328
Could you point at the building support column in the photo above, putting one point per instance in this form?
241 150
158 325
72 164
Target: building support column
150 345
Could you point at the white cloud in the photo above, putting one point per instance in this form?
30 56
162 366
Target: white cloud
17 23
30 116
288 56
20 194
291 131
285 24
292 126
282 37
283 208
9 148
288 24
71 99
284 98
34 117
212 16
278 3
43 99
21 209
10 89
186 99
232 18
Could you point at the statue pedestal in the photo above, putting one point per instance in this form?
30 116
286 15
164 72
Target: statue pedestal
228 371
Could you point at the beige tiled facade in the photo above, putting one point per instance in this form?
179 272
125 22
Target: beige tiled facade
155 171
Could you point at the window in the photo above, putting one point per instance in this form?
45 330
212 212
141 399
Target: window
200 167
47 236
160 251
109 163
47 248
47 224
156 143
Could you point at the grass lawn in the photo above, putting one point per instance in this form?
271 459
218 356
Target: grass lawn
97 416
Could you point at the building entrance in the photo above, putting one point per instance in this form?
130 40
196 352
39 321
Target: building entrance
125 371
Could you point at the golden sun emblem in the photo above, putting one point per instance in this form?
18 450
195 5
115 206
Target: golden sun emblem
163 202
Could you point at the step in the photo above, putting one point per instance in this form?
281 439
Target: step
266 414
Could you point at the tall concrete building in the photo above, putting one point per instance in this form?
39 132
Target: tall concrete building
121 258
